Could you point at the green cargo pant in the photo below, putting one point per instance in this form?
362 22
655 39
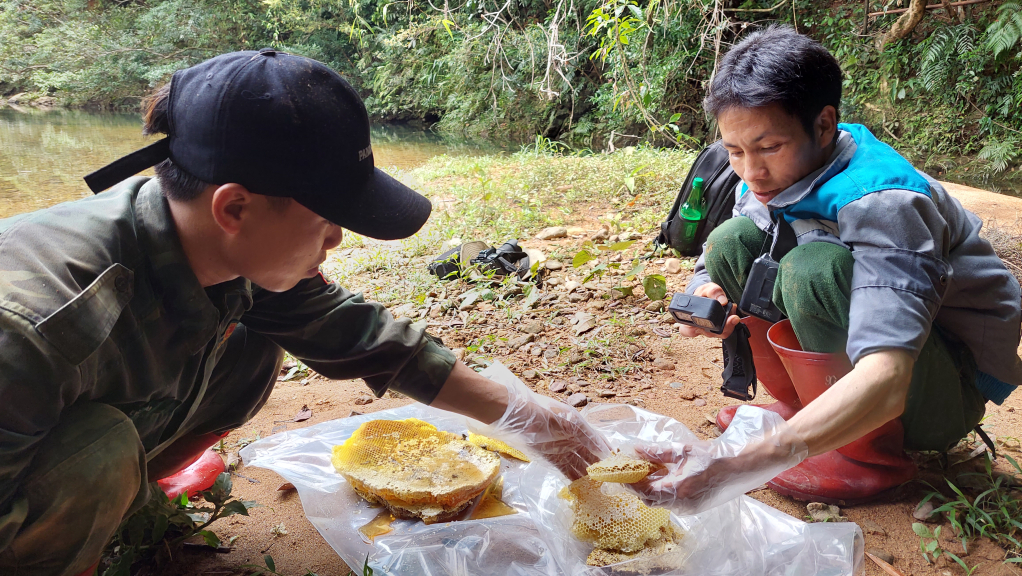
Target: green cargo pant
90 471
813 289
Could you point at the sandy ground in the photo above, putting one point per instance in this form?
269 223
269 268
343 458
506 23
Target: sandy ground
887 524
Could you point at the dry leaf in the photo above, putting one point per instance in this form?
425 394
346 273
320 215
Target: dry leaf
304 414
285 486
885 566
583 322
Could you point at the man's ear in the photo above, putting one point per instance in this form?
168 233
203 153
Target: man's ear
230 206
825 127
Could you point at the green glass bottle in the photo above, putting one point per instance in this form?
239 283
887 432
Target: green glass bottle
692 213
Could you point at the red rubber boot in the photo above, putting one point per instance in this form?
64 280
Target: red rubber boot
855 473
188 466
771 374
91 570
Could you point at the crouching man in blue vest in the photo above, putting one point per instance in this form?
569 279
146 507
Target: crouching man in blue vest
899 322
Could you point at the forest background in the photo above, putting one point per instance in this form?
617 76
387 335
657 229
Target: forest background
941 83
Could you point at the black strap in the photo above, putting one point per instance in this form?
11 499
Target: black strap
986 440
786 239
739 368
126 167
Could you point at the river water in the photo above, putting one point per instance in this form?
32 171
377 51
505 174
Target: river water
43 155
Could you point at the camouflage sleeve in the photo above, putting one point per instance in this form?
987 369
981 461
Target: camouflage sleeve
340 335
36 383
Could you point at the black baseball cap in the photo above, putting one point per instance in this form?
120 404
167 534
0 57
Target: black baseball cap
279 125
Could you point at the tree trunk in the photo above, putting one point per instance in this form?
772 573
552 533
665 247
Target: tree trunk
904 25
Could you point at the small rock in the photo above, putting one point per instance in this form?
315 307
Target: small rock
558 386
354 413
576 356
534 327
550 354
573 388
519 341
467 305
637 331
575 297
871 527
578 400
459 353
924 512
614 238
617 294
553 265
571 285
606 393
673 265
699 402
448 244
663 364
552 232
882 554
593 285
655 306
554 281
363 400
536 351
582 383
631 236
677 384
601 235
530 374
821 512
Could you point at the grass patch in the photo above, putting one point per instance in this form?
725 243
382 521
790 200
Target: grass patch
497 197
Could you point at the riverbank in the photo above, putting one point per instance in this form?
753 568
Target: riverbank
631 354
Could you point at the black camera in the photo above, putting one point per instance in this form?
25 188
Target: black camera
705 313
758 296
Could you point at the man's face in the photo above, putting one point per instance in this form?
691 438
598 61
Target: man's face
282 247
770 149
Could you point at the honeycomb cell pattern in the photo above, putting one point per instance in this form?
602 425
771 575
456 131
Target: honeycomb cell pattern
497 446
621 469
615 522
409 463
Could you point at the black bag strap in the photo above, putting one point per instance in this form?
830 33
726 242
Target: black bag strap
739 367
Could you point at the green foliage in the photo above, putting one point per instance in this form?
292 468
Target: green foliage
269 567
1006 31
995 513
162 524
593 74
929 544
654 285
1001 153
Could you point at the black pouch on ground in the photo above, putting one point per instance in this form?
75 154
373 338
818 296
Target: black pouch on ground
506 259
719 182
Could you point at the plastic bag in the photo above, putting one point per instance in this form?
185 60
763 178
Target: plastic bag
742 536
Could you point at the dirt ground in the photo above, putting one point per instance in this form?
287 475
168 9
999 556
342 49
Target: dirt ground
688 392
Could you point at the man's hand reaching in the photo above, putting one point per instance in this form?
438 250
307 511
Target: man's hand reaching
711 290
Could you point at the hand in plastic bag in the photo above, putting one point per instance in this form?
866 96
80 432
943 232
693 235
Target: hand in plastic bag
554 430
697 476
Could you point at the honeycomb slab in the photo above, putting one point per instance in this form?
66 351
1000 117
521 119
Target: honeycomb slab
615 522
620 469
415 470
497 446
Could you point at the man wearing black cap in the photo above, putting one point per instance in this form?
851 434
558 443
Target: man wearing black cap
140 325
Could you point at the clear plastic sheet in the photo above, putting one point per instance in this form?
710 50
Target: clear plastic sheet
741 536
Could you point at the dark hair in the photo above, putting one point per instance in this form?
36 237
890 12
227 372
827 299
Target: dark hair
777 66
175 183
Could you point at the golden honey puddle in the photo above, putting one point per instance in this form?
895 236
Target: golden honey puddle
377 526
490 503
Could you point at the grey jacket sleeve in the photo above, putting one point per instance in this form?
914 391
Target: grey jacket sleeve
700 276
900 244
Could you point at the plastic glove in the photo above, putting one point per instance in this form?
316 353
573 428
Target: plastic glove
552 429
757 446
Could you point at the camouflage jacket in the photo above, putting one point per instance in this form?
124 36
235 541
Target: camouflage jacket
98 303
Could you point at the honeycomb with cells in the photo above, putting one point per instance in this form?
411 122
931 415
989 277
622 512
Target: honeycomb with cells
616 522
412 464
621 469
497 446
